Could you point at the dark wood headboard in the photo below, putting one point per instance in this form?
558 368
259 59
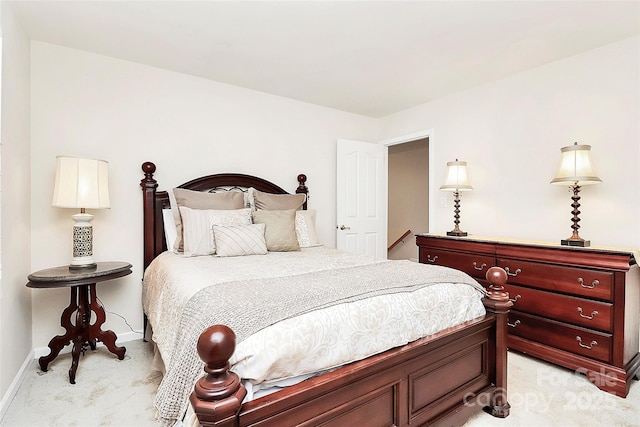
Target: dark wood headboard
154 201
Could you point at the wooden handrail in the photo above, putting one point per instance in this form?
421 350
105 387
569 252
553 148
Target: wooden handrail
401 239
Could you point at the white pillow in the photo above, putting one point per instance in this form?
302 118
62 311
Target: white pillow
200 200
170 233
238 240
198 225
306 228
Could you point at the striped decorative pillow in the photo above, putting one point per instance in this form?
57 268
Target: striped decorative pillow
197 227
237 240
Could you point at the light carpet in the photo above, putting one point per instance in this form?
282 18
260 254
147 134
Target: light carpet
107 392
546 395
112 392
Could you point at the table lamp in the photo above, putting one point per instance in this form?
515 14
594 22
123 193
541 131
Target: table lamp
81 184
456 181
575 171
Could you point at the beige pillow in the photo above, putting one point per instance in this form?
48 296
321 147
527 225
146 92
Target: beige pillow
239 240
197 226
272 202
200 200
280 229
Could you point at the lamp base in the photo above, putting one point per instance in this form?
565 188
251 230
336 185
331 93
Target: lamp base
580 243
456 233
86 266
82 242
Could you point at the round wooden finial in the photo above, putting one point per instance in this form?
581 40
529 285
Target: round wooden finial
497 276
148 168
216 345
302 178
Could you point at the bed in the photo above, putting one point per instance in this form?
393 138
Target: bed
425 373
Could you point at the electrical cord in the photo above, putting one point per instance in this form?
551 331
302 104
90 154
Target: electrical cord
120 316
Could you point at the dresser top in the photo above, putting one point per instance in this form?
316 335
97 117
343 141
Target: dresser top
635 253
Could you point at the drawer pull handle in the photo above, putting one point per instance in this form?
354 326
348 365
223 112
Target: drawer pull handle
435 257
514 324
514 274
513 300
475 265
594 313
588 347
593 284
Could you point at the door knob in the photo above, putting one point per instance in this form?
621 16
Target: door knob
342 227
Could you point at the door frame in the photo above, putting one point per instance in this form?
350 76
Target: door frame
427 133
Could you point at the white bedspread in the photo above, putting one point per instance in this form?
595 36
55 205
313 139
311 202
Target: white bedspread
315 341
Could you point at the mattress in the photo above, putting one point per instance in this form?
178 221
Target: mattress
295 346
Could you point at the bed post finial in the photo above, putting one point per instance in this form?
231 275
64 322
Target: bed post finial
149 168
217 397
497 278
302 188
149 186
497 302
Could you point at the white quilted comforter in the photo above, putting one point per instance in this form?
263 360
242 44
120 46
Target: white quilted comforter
312 342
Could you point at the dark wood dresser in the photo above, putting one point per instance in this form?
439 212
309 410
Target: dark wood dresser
575 307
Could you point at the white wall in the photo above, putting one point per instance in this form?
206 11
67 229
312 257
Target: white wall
510 132
95 106
15 298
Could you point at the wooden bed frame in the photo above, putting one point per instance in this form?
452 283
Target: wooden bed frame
438 380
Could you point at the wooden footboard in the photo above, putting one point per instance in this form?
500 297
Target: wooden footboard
443 378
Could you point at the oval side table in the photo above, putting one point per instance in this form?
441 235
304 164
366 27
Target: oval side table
83 302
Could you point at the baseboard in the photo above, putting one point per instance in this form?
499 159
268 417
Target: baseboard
15 385
122 338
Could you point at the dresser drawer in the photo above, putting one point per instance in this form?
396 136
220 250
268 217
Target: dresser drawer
582 341
577 311
474 265
577 281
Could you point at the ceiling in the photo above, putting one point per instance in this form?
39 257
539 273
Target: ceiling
371 58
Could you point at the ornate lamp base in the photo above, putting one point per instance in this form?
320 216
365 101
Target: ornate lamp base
575 239
456 230
82 242
571 242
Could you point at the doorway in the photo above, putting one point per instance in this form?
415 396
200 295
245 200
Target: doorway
408 196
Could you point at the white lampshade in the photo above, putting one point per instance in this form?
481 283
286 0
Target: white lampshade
457 179
81 183
575 167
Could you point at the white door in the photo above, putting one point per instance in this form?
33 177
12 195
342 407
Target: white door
361 198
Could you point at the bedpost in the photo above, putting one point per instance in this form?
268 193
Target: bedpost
218 395
302 189
497 302
149 186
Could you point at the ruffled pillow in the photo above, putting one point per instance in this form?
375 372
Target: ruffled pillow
306 228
